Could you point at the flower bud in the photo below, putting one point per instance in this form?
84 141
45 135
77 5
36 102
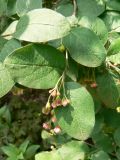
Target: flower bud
58 102
51 90
46 126
118 109
54 119
57 130
93 85
58 93
46 111
54 93
65 102
54 105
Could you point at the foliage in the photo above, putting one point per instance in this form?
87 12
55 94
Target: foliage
72 48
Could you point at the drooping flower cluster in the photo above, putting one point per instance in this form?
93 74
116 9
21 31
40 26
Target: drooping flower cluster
55 100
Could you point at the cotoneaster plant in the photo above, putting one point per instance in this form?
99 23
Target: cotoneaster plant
73 50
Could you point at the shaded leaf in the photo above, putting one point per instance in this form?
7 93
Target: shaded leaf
113 5
11 7
100 155
112 21
3 7
114 58
23 6
90 7
117 136
10 150
108 90
96 25
30 152
114 47
85 47
2 43
24 146
8 48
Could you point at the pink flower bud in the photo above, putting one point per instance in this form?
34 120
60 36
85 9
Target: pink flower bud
57 129
58 102
54 105
93 85
54 119
46 126
58 93
50 91
65 102
54 93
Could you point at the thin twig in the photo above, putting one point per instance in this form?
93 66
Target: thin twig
75 7
114 67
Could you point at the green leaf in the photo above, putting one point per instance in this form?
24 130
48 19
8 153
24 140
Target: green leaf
10 150
73 150
118 153
85 47
6 82
113 5
23 6
72 71
36 66
3 7
65 9
8 48
77 119
2 43
53 155
114 47
96 25
90 7
114 58
103 141
10 30
24 146
112 21
107 90
30 152
11 7
7 115
99 123
111 118
2 110
100 155
39 26
100 29
117 136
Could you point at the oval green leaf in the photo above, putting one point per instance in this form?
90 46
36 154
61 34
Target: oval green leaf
90 7
8 48
114 47
112 21
77 119
96 25
85 47
53 155
107 90
39 26
73 150
6 82
36 66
